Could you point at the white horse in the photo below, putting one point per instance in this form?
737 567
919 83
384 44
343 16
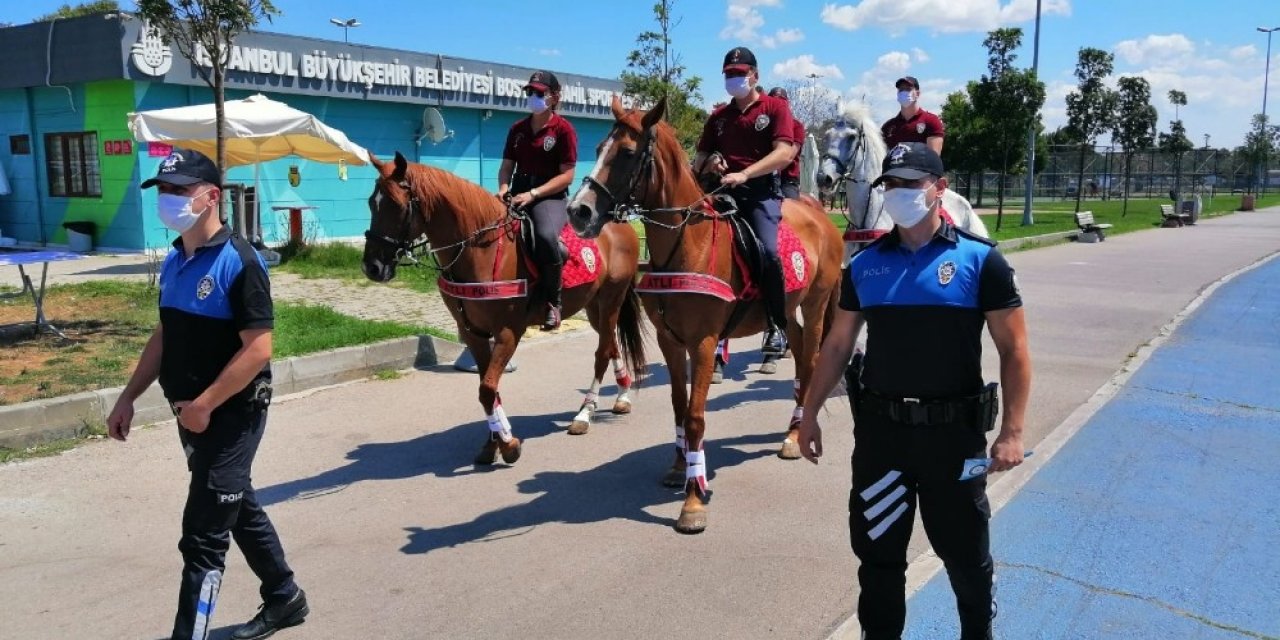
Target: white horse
855 153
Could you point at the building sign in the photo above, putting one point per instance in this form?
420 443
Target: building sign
367 72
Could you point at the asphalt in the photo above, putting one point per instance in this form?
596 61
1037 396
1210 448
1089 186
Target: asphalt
395 535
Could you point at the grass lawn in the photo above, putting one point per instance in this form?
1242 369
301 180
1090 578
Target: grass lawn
109 322
342 262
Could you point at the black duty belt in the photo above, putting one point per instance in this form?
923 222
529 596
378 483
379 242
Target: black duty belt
929 412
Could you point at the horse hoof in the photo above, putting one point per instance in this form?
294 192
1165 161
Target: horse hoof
769 367
488 453
691 522
511 451
674 478
790 450
622 407
579 427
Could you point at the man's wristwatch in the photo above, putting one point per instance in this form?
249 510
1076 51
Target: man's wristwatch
534 192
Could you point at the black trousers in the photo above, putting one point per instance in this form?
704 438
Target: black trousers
549 217
894 467
760 205
221 506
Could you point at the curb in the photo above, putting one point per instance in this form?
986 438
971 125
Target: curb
31 423
1014 243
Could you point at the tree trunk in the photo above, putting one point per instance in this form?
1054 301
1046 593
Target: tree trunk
1004 168
1128 171
982 183
1080 179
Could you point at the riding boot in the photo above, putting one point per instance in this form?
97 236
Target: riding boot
775 344
551 277
775 293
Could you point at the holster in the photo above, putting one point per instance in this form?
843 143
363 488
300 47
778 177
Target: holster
987 408
853 380
260 394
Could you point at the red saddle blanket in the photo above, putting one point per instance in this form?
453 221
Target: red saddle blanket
791 253
583 262
581 266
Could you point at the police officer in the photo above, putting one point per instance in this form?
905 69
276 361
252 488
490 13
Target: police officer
912 124
753 134
537 168
791 175
212 353
924 290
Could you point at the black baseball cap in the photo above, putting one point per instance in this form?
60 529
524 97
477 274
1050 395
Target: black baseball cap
908 80
779 92
543 81
910 161
185 167
739 59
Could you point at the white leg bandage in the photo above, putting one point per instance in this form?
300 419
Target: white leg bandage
696 469
498 423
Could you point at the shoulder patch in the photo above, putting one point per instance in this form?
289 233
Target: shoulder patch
971 236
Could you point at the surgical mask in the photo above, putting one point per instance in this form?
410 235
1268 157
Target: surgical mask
907 207
739 87
904 98
176 213
537 104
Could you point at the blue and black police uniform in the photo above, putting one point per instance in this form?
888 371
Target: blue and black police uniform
921 409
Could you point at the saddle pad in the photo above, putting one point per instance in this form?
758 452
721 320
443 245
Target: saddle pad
791 253
583 263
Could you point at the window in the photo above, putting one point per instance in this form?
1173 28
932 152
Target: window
72 160
20 145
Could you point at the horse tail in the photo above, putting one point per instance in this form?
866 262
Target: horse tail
631 333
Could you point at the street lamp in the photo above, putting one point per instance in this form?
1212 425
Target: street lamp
1266 78
812 102
345 24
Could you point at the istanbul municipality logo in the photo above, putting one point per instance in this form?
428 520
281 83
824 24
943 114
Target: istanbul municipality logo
150 53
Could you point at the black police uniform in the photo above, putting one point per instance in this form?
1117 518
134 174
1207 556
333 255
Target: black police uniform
205 302
921 409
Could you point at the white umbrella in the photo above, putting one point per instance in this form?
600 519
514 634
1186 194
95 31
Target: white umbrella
809 166
256 128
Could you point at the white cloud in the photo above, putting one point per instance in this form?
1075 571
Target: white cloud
781 37
950 16
875 86
894 62
743 19
1158 49
548 52
919 55
1246 51
800 67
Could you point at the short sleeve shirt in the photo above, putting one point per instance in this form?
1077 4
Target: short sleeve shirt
540 154
920 128
746 137
792 172
925 311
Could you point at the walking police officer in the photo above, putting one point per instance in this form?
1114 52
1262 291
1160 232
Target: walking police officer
924 290
212 353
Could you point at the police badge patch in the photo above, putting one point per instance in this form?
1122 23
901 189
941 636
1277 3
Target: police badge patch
762 121
588 259
919 127
204 288
946 271
720 127
797 265
548 143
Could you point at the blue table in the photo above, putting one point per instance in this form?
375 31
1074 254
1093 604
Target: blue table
21 259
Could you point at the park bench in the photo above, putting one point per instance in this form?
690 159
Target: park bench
1172 218
1090 231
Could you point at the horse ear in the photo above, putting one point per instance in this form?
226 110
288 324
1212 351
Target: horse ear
618 110
655 114
401 166
377 164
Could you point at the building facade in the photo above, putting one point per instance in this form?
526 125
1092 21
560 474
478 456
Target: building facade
67 87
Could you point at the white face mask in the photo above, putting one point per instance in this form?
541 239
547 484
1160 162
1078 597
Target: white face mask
176 213
739 87
907 207
536 104
904 98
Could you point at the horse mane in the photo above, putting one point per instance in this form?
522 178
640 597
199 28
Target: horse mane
471 204
857 112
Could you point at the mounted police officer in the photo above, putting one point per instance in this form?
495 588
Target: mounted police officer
212 354
754 137
924 290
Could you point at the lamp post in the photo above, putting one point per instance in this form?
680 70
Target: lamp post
812 102
345 24
1027 218
1266 78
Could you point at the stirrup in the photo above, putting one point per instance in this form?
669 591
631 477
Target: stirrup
552 321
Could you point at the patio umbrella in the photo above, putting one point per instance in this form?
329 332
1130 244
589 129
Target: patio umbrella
809 166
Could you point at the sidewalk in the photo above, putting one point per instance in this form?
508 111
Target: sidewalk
1160 518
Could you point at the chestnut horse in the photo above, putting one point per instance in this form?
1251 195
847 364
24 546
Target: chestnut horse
475 243
641 170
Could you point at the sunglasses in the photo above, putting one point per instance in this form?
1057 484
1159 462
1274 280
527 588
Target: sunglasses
534 92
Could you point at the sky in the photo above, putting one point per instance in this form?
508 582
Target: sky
1209 49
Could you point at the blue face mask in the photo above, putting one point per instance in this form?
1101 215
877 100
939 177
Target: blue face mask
537 104
738 87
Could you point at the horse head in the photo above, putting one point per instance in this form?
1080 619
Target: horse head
625 168
394 220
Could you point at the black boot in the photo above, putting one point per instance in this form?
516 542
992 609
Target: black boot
775 344
550 277
274 617
774 290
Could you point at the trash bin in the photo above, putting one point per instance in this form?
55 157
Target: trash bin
1247 202
79 236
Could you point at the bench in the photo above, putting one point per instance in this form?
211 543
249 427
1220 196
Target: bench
1170 218
1090 231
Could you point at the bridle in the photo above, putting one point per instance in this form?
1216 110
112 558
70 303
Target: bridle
406 248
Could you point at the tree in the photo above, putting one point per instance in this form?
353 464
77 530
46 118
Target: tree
1007 102
1091 107
84 9
962 152
654 71
206 26
1135 126
1259 144
1176 141
814 105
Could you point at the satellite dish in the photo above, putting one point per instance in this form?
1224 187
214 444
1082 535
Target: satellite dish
433 126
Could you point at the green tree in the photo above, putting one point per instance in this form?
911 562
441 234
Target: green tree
1176 141
83 9
654 71
1091 107
1259 145
962 153
1007 102
1135 126
197 26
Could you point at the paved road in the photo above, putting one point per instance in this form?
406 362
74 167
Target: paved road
1159 519
395 535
